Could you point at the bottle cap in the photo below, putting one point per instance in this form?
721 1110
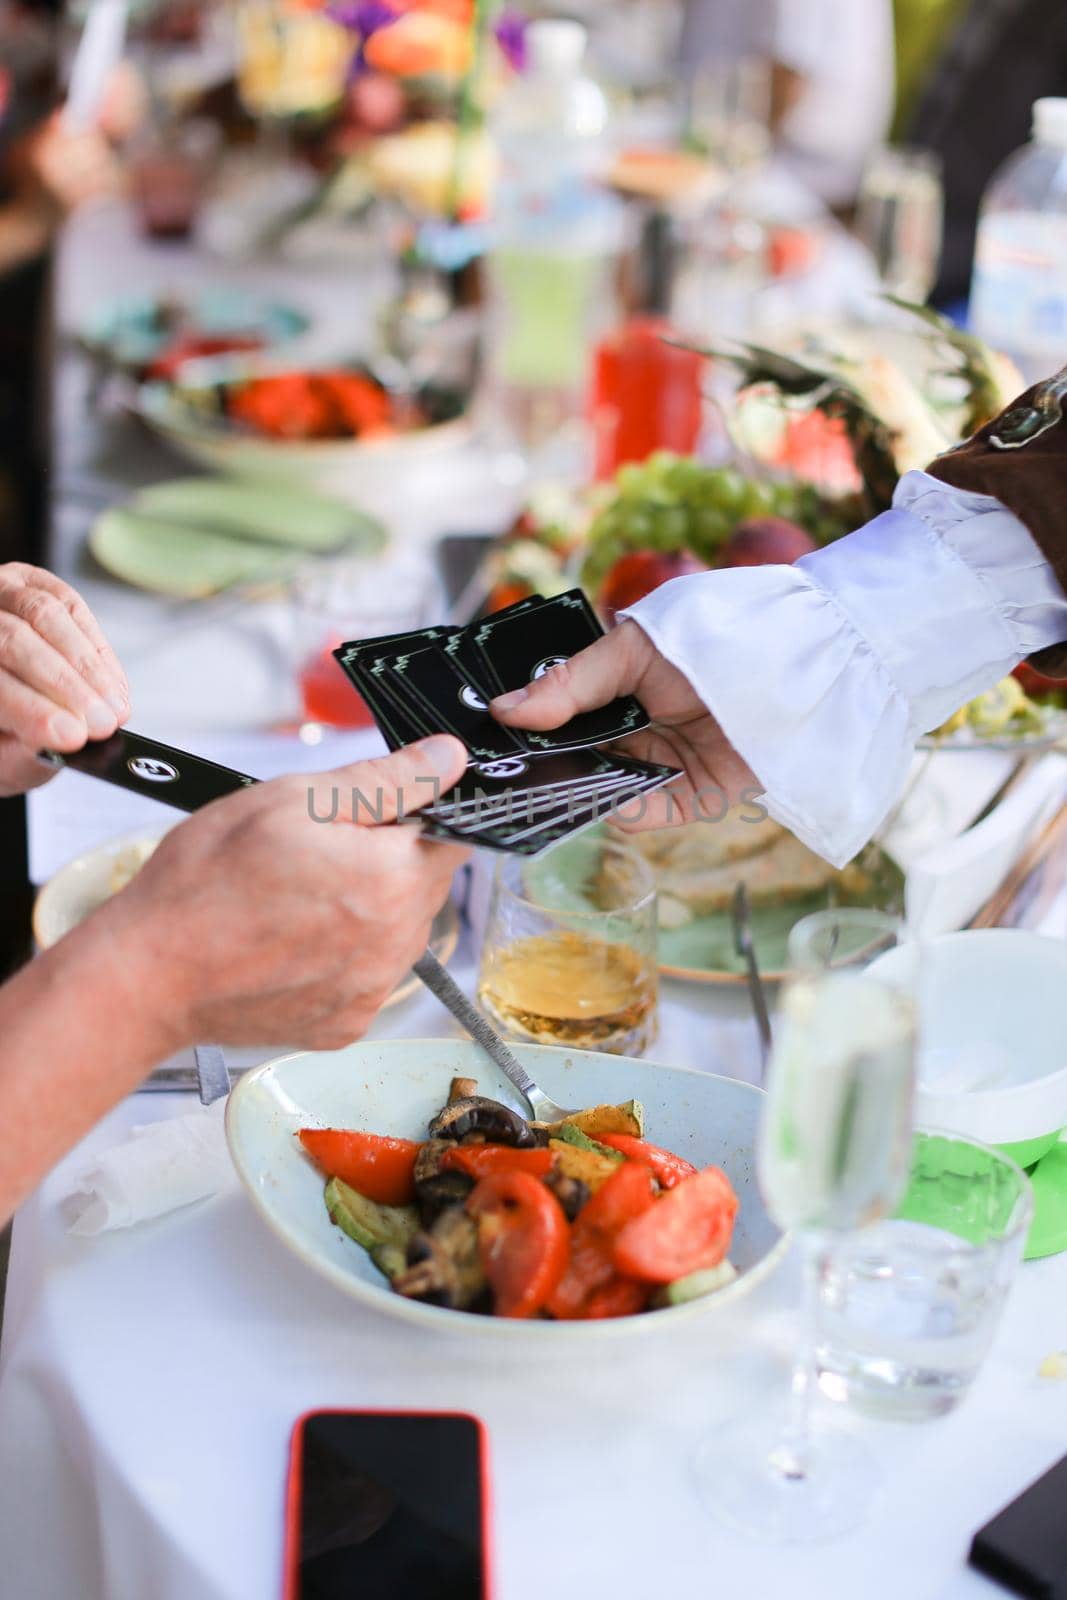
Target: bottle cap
1050 121
556 46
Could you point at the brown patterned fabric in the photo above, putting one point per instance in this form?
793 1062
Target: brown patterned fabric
1031 481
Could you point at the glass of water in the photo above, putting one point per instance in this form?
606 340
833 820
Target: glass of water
907 1309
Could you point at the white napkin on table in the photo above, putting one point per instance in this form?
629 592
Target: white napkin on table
159 1168
953 880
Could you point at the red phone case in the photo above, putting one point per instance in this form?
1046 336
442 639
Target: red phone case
291 1559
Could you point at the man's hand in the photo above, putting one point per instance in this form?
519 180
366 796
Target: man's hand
256 923
684 734
60 682
58 170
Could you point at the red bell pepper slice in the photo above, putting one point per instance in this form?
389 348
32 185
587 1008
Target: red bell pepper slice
374 1165
484 1160
522 1240
686 1230
623 1198
667 1168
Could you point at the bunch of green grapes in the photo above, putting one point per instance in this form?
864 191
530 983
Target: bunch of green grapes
672 502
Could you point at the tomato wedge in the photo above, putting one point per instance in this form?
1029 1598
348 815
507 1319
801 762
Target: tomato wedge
483 1160
619 1297
374 1165
687 1229
667 1168
625 1195
522 1240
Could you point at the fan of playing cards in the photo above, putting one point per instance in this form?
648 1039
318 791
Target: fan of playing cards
522 791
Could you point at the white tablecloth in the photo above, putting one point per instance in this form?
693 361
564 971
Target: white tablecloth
150 1379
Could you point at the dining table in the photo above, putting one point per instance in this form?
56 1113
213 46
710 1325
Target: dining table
150 1377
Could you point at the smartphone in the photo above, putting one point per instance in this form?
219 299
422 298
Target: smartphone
1024 1547
387 1504
150 768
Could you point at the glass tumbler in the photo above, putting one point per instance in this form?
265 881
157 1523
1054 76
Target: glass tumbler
349 597
570 948
907 1309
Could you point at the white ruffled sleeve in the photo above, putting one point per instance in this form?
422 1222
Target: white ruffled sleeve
823 674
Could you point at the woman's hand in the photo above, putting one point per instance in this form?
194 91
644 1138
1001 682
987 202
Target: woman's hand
684 734
60 681
288 913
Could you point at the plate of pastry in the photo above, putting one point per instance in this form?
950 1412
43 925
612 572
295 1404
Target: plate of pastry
697 867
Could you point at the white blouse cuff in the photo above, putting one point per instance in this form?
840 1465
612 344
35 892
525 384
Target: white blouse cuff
822 674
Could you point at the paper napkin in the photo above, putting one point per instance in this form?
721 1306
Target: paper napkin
953 880
158 1169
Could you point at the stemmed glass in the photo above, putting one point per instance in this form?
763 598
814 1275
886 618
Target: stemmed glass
834 1154
899 217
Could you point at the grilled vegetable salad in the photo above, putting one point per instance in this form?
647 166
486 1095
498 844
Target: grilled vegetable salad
571 1221
1005 711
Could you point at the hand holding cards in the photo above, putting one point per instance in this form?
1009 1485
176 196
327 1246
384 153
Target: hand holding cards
523 791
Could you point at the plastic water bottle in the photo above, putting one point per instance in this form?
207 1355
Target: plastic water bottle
554 237
1019 290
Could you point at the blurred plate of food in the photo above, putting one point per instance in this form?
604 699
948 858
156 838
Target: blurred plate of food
697 867
662 518
1023 712
153 336
193 537
337 430
681 180
86 883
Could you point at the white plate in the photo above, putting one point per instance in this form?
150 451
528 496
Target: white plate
968 738
83 885
395 1086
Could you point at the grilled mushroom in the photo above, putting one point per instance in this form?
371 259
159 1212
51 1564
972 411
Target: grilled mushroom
477 1115
462 1089
435 1189
444 1264
571 1193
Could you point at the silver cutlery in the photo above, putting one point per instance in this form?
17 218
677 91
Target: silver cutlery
471 1020
747 951
212 1073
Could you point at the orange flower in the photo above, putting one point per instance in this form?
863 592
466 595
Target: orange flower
461 11
420 44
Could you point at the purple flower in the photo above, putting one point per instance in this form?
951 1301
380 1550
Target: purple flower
510 31
362 16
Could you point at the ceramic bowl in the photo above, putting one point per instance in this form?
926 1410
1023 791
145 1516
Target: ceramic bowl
395 1086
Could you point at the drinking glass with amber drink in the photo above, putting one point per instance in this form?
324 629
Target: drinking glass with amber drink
570 948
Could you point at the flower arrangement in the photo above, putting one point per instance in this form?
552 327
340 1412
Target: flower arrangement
418 39
445 57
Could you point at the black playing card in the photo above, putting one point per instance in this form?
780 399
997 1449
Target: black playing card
491 783
407 711
153 769
521 792
356 658
529 838
453 703
522 814
519 648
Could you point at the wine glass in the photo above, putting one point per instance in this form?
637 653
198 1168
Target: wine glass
899 217
834 1154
